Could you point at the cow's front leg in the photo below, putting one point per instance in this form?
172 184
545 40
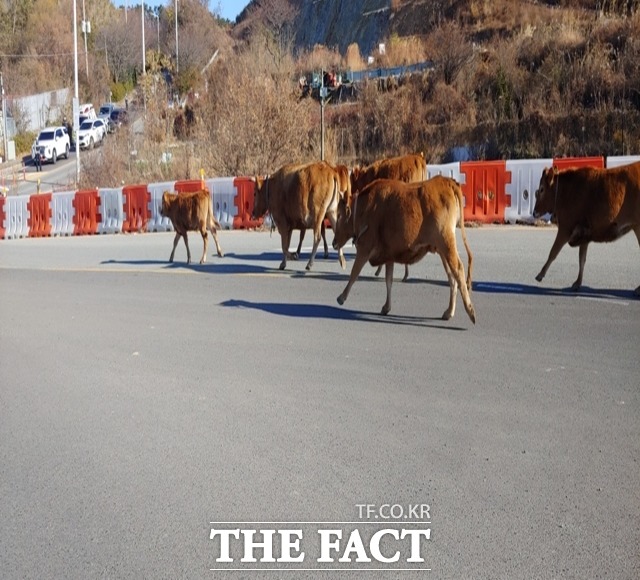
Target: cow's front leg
297 253
561 239
406 273
323 231
175 245
636 231
582 258
205 241
388 278
333 220
358 264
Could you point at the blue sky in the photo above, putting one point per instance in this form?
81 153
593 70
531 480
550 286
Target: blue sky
228 8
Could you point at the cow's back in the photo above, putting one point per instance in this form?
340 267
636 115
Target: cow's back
408 168
190 211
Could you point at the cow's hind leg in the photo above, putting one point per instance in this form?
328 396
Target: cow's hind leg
285 236
175 245
561 239
332 221
186 243
358 264
214 234
205 240
582 258
453 289
317 235
295 256
388 278
456 269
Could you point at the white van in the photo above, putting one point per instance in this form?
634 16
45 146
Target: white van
87 110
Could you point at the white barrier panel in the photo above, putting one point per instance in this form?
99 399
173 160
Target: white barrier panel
111 210
621 160
62 212
224 193
16 223
157 223
525 179
448 170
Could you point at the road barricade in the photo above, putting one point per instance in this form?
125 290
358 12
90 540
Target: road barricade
224 192
136 199
39 207
188 186
62 212
16 221
619 161
156 222
87 212
525 179
112 204
3 217
244 201
484 190
447 169
574 162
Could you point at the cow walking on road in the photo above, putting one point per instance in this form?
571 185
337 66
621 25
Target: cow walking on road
189 212
299 197
590 205
392 221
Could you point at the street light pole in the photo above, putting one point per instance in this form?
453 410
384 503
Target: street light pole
76 102
85 29
176 11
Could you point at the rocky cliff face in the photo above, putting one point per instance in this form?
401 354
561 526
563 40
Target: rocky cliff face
338 23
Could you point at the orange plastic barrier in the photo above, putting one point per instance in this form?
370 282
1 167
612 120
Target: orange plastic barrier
136 200
189 186
87 212
573 162
3 218
485 190
40 215
244 201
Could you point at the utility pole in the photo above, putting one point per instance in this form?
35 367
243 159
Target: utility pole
176 11
5 137
323 94
76 102
86 28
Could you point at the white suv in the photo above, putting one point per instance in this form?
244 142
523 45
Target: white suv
91 133
52 143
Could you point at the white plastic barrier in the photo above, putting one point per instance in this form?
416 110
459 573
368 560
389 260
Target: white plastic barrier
111 210
525 179
157 223
62 212
224 193
448 170
16 221
620 160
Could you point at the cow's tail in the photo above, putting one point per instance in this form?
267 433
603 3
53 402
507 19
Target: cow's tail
458 193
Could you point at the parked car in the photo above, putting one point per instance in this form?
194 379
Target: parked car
119 117
52 143
105 110
91 133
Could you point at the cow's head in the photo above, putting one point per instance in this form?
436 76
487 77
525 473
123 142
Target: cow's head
167 200
260 197
355 177
546 192
344 224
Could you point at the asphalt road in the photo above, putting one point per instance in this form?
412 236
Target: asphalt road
142 401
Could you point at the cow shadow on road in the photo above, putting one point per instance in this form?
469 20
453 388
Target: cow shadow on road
298 310
490 287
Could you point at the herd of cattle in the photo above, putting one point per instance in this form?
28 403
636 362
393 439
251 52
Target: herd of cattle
393 213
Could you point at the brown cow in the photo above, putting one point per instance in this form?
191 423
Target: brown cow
392 221
590 205
188 212
299 197
408 168
345 190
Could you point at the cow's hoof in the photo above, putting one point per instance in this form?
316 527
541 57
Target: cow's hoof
385 310
575 287
343 263
326 255
637 291
539 277
202 261
446 315
295 256
340 300
221 254
282 266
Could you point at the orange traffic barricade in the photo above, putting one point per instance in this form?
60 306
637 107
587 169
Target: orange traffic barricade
40 215
244 201
189 186
87 212
485 190
574 162
136 200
